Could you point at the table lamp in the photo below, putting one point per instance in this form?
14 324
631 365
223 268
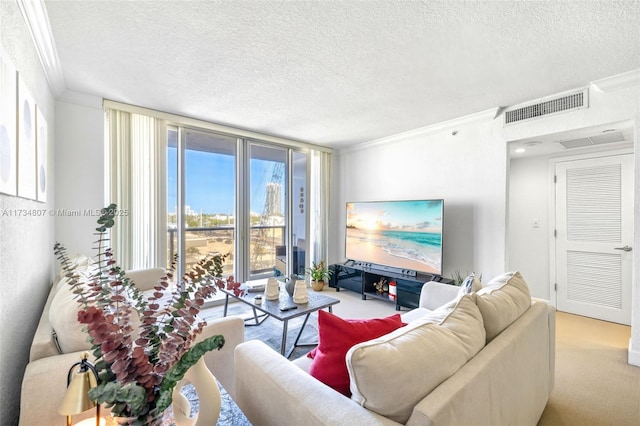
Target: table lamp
79 381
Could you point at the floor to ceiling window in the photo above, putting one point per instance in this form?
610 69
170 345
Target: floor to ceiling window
201 194
200 188
212 199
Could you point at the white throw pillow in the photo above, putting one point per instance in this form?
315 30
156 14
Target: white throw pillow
63 316
146 279
390 375
82 265
502 301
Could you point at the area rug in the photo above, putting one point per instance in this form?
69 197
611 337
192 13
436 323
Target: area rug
230 413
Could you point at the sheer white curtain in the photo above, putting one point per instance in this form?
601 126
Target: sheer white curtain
320 183
136 180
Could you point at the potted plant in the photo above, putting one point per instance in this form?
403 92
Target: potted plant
139 363
318 273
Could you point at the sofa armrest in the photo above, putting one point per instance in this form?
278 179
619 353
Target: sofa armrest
271 390
45 380
435 294
514 365
220 363
551 313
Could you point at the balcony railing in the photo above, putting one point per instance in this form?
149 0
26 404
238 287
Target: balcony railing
221 239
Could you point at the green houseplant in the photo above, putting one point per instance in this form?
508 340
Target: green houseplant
318 272
139 366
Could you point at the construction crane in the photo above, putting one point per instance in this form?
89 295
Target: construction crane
273 195
266 238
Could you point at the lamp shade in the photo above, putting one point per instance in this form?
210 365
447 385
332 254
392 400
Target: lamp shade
80 380
76 399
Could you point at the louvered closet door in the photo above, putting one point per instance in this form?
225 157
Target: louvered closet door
594 224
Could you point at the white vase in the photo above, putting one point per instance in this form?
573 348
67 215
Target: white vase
209 397
300 292
272 290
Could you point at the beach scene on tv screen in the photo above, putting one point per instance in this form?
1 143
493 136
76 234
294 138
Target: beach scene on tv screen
402 234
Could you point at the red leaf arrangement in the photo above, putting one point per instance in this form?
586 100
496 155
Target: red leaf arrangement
129 352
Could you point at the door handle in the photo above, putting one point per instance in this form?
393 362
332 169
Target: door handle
625 248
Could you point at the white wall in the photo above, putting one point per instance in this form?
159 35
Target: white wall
467 170
528 247
80 170
26 243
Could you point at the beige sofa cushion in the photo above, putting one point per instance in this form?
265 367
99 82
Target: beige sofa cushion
63 316
390 375
502 301
82 265
146 279
63 312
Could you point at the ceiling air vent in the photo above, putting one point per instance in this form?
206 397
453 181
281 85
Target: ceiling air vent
575 100
593 140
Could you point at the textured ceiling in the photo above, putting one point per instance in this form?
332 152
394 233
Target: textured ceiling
339 72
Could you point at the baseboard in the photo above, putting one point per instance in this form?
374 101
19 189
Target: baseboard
634 356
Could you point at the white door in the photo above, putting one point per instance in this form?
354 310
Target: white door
594 236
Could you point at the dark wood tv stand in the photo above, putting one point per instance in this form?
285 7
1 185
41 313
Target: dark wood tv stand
355 277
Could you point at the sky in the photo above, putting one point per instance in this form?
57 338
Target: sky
424 215
210 181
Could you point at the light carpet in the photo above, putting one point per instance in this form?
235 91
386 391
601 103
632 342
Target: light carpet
594 384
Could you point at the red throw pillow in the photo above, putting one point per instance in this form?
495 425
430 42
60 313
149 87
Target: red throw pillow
335 337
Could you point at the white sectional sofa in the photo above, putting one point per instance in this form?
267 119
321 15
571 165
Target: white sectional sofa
485 358
52 356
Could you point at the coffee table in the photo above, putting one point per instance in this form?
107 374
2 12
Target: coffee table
271 308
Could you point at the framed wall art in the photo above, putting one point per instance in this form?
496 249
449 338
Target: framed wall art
8 131
26 142
42 141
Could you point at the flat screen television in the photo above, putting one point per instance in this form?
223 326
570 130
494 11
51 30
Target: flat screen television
405 234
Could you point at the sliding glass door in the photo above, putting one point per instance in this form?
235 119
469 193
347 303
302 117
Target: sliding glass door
267 194
245 198
278 182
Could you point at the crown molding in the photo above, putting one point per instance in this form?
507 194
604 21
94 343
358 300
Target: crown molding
486 115
619 81
35 16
